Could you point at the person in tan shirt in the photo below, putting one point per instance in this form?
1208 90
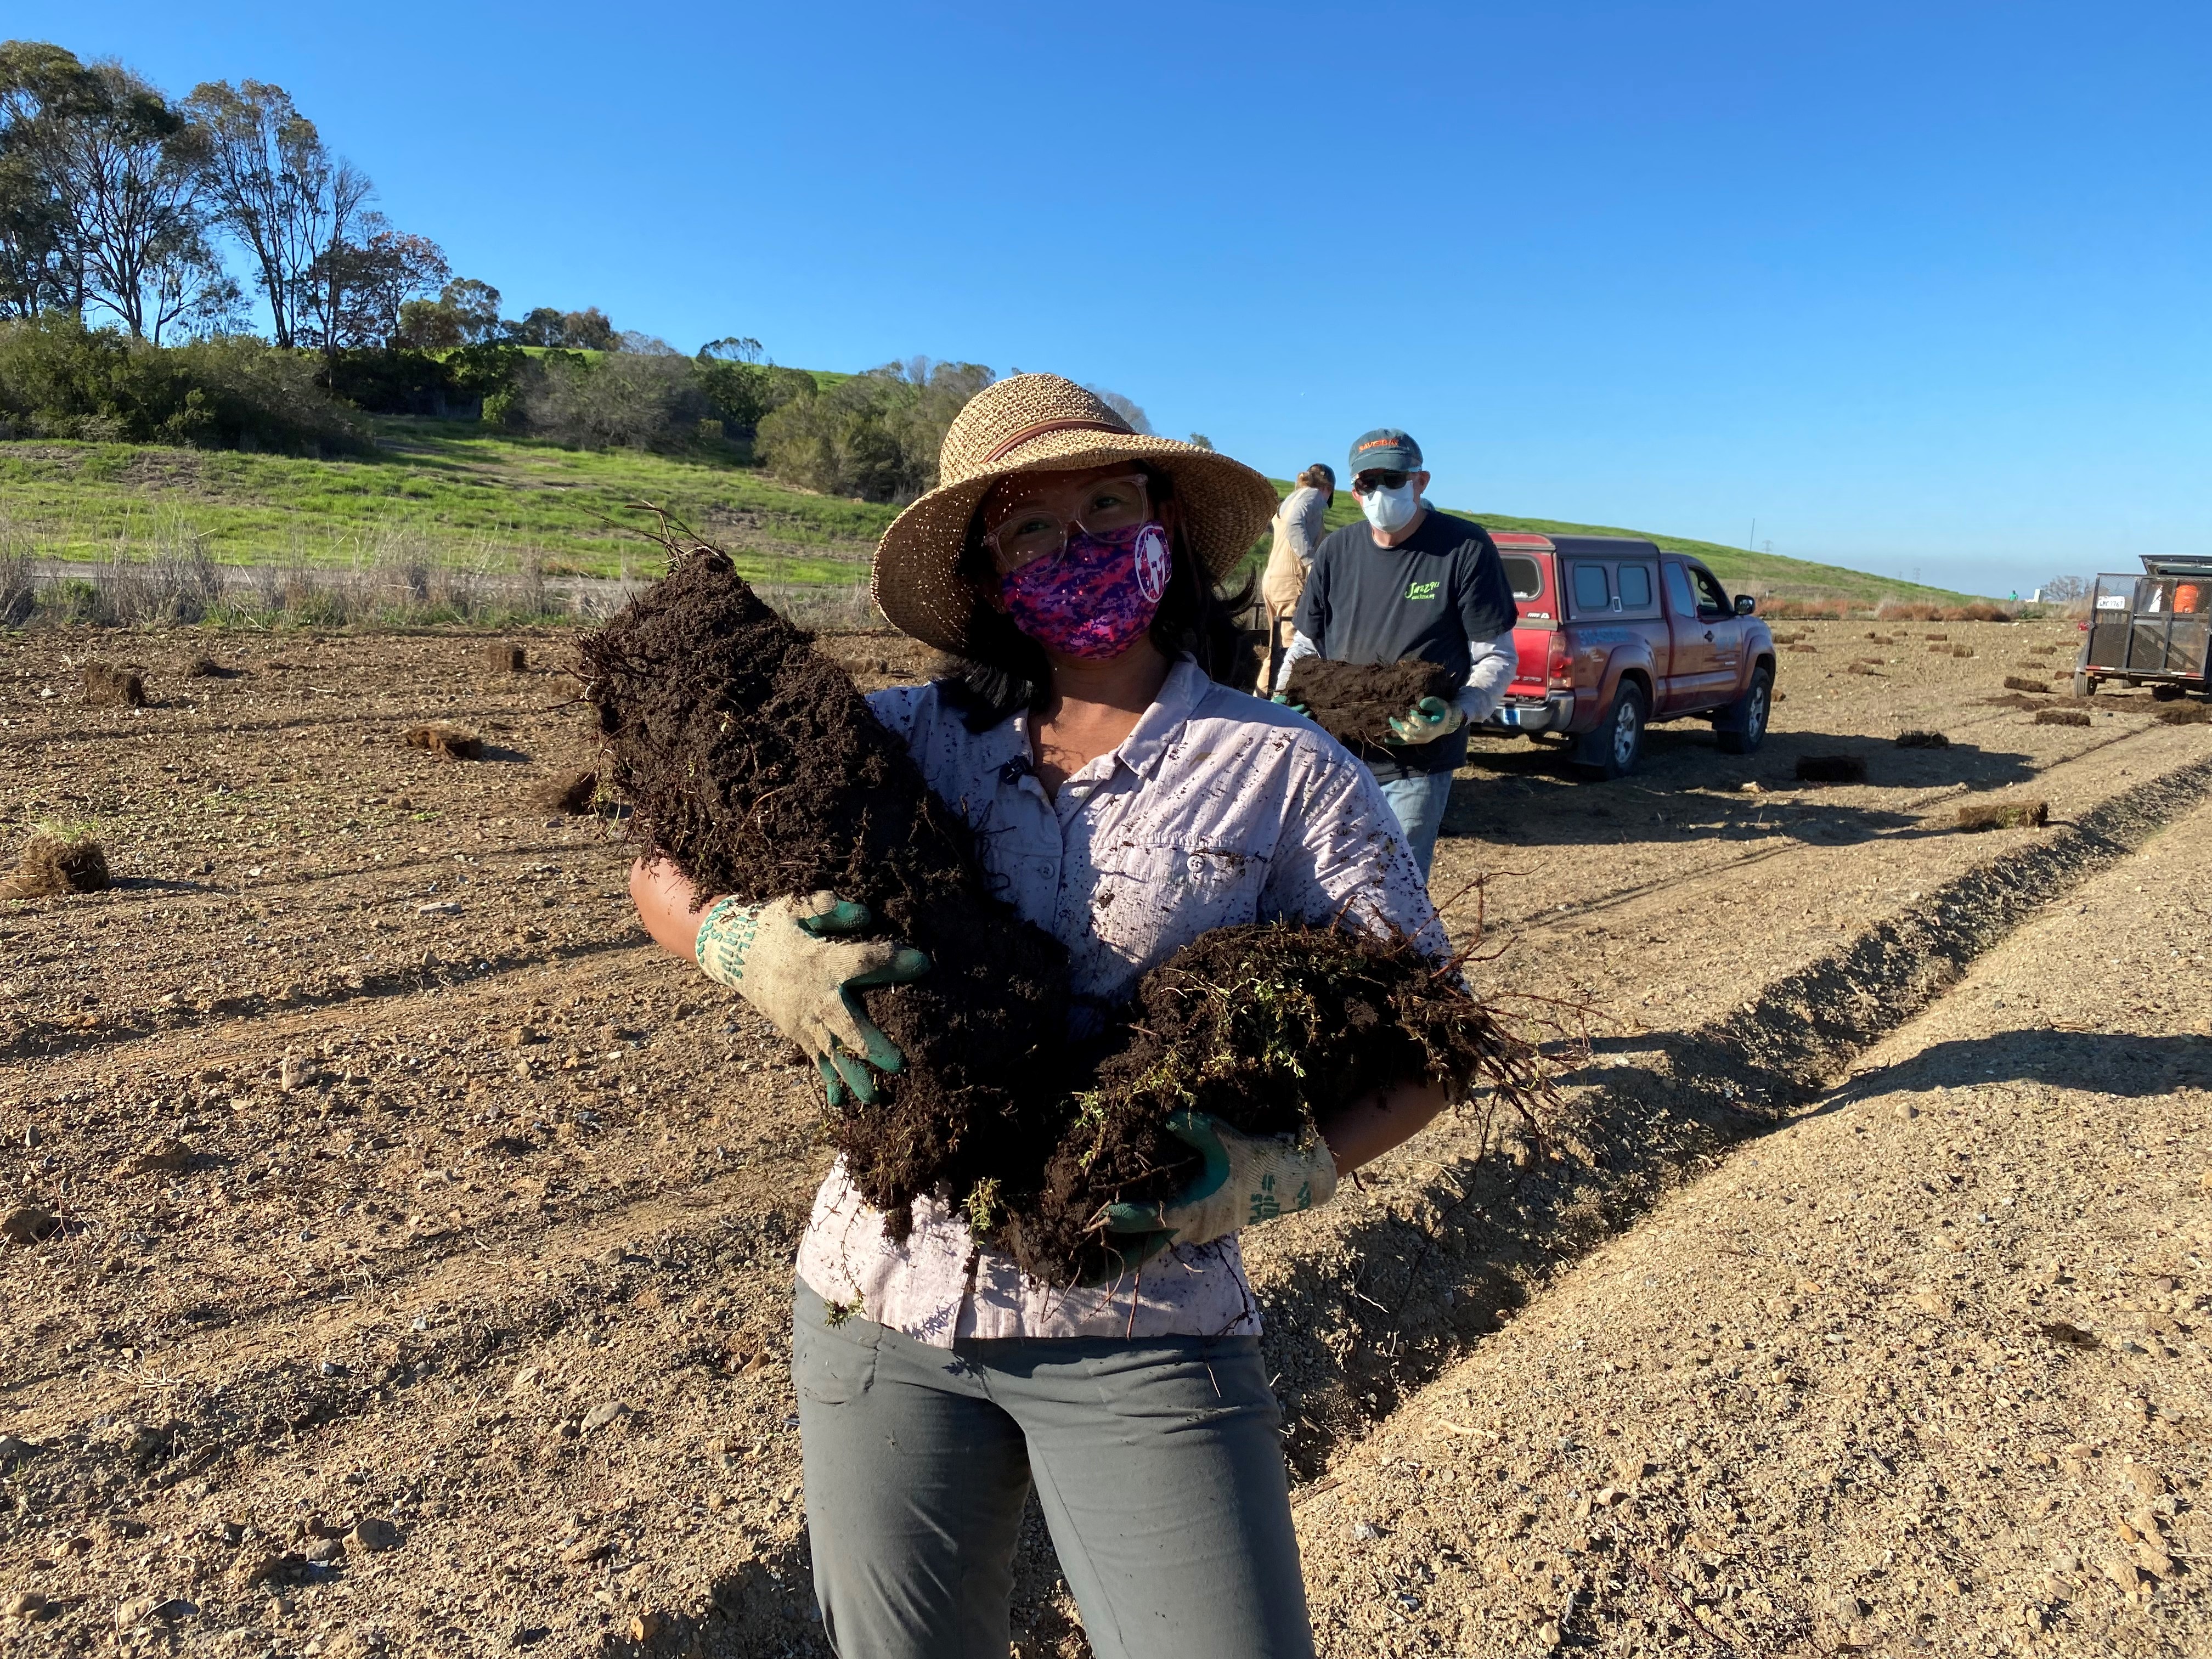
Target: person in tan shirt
1297 529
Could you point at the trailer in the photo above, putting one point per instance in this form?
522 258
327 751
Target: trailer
2155 628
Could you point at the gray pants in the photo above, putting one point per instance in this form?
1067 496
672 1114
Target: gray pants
1156 1461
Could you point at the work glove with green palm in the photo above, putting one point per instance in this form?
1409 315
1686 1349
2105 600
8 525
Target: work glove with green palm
1426 721
787 958
1245 1179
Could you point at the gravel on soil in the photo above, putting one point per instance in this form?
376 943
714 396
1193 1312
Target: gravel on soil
1925 1370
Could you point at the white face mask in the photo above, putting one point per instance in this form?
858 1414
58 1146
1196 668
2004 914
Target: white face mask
1391 509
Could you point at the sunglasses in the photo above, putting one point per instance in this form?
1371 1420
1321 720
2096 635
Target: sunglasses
1367 483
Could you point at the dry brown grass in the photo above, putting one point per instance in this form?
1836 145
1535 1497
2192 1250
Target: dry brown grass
2005 815
52 865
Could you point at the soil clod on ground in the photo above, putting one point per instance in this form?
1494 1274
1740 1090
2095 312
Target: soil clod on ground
108 686
2015 683
1922 740
2061 717
1355 702
1831 768
53 864
501 657
2005 815
446 742
565 792
2195 713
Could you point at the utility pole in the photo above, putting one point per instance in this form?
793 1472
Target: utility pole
1752 546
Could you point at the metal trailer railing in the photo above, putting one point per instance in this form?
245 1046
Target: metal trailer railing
2136 632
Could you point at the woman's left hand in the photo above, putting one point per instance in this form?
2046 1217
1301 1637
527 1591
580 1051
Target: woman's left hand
1246 1179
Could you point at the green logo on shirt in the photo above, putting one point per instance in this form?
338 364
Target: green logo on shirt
1421 590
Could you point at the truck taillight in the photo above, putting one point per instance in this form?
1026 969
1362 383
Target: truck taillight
1559 670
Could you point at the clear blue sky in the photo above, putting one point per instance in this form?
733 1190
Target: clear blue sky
1918 287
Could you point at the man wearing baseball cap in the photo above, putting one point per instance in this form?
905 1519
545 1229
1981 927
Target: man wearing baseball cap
1410 583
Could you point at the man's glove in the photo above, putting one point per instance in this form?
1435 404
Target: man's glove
1426 721
1247 1179
1283 698
782 957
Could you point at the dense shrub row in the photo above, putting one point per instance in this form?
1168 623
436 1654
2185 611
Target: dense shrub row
61 380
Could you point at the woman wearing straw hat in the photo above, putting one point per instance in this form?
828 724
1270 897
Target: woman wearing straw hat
1131 801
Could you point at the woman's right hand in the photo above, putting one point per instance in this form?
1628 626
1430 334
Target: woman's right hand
787 959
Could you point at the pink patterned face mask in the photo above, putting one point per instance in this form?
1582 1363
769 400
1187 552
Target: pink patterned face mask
1094 597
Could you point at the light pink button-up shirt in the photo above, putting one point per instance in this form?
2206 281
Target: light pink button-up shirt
1218 809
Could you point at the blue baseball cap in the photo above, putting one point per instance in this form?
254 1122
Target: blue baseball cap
1386 449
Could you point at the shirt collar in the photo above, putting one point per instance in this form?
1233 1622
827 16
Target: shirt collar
1178 698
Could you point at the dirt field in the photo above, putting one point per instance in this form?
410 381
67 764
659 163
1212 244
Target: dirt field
420 1276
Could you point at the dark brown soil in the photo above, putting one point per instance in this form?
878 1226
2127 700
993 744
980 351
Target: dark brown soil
1831 768
1355 702
1922 740
565 792
2195 713
446 742
2005 815
107 686
755 767
504 658
51 865
2015 683
2061 717
1264 1028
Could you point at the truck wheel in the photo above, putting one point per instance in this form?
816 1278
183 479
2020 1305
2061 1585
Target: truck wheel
2084 686
1613 749
1747 718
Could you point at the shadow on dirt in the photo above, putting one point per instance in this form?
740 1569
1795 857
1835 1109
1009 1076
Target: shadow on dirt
1391 1300
2093 1062
1679 757
1522 800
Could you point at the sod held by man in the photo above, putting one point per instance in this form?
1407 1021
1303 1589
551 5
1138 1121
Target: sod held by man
1071 567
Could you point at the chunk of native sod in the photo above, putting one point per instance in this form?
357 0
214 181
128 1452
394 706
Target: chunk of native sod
753 764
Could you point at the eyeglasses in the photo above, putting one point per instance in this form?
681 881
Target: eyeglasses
1021 532
1367 483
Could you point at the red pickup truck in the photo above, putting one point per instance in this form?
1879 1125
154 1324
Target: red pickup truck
1614 634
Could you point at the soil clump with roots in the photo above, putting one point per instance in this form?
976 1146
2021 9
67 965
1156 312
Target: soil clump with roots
1355 702
753 764
54 865
446 742
107 686
565 792
1264 1027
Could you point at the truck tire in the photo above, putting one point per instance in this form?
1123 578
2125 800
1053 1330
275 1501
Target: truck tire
1613 749
1747 717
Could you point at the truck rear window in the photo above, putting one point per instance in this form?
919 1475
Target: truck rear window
1592 592
1525 577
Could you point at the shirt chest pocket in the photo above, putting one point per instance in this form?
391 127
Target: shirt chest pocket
1154 897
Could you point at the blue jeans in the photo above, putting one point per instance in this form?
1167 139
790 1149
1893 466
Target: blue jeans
1420 801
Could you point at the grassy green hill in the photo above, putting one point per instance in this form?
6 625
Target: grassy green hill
454 493
1743 571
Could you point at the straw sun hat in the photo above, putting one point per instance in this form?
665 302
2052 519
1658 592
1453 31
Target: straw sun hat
1043 423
